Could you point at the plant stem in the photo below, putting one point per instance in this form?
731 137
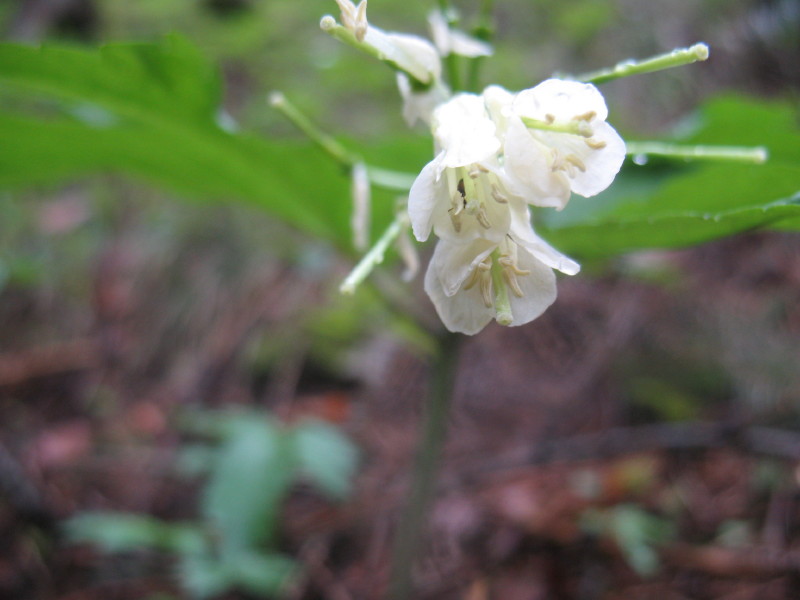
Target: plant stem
375 255
676 58
333 148
386 179
746 154
412 523
483 30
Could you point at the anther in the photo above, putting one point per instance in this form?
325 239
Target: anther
550 118
473 279
483 218
595 144
498 197
455 218
460 188
573 158
557 162
512 282
587 116
509 263
486 291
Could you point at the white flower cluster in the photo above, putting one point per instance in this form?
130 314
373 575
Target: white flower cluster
496 154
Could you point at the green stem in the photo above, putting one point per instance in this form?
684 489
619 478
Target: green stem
375 255
333 148
386 179
676 58
746 154
412 523
483 30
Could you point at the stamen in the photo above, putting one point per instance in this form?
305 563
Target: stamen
587 116
497 196
483 218
473 279
456 203
455 218
557 162
573 159
509 263
550 118
595 144
486 290
512 282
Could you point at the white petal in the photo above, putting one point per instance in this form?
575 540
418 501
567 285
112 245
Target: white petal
562 99
466 45
523 234
538 288
498 101
463 312
452 41
527 163
454 262
439 32
602 164
411 53
419 106
464 130
422 200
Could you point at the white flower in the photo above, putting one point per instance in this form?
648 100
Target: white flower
556 140
409 53
511 281
462 194
419 105
452 41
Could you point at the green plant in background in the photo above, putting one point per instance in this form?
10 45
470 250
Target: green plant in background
152 110
250 470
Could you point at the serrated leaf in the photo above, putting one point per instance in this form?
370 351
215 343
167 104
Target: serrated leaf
326 457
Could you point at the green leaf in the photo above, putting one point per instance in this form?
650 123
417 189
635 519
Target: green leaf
152 114
326 457
262 574
203 577
669 205
118 532
250 477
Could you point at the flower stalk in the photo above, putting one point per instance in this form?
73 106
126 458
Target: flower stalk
375 255
745 154
386 179
329 145
676 58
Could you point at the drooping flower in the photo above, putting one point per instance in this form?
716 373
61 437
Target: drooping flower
556 140
462 194
511 281
408 53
